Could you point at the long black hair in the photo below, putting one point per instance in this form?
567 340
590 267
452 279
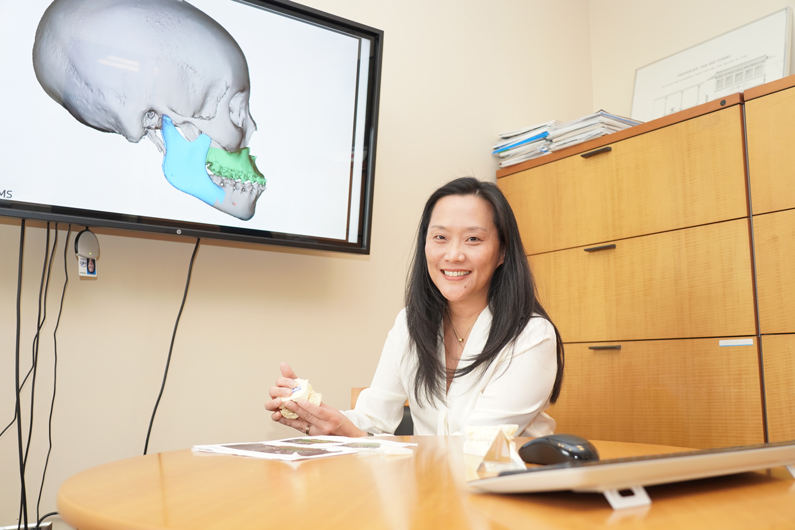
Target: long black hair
513 300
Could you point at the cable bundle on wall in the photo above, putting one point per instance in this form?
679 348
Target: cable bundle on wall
49 255
24 443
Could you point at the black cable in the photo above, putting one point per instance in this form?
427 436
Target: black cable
23 503
51 514
9 425
30 371
44 287
171 348
54 372
34 363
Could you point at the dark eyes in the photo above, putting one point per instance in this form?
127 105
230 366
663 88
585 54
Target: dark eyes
471 239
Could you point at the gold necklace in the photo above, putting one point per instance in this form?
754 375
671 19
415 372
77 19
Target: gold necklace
460 339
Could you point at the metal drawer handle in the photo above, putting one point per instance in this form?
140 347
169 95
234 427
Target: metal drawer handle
589 154
615 347
601 247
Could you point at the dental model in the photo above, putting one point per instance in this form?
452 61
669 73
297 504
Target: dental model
132 67
302 390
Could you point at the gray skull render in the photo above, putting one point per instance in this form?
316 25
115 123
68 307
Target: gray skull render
132 67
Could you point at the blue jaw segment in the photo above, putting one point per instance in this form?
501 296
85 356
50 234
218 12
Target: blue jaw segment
184 165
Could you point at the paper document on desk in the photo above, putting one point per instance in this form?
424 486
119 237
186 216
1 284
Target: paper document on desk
308 447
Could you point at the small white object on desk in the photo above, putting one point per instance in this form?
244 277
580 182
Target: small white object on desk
495 444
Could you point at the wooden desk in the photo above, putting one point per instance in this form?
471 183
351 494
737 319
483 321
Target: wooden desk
181 490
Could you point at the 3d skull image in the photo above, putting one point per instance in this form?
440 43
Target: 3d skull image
135 66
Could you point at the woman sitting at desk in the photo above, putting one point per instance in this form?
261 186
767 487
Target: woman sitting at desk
473 345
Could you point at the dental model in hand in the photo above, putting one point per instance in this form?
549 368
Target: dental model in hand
132 67
302 391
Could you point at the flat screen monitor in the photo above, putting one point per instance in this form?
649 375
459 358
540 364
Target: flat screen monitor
252 120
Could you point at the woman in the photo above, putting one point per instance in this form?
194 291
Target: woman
473 345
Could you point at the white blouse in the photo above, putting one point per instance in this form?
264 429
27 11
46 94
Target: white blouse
514 389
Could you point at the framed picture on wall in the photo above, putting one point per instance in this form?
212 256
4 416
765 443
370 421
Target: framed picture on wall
753 54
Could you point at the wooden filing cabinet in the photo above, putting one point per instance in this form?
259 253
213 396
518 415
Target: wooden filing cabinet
770 119
694 282
779 364
687 393
771 164
774 238
770 122
687 174
672 200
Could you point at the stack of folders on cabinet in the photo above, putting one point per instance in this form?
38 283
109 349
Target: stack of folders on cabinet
538 140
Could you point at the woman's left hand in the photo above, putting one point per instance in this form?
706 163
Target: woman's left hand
321 419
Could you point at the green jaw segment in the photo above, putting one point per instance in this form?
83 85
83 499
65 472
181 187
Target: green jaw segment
238 165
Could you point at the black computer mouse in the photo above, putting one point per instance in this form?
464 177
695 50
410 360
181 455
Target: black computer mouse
557 449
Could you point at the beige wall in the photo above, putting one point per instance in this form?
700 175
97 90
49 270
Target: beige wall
629 34
455 74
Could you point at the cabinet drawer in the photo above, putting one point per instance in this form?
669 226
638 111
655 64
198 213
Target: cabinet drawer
774 241
684 175
688 393
770 122
687 283
778 353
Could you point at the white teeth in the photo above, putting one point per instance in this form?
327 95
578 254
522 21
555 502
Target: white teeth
455 273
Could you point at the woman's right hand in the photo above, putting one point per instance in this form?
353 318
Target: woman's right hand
283 389
312 419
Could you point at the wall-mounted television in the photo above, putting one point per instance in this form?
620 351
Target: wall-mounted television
252 120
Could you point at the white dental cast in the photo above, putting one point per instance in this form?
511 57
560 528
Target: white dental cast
302 390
